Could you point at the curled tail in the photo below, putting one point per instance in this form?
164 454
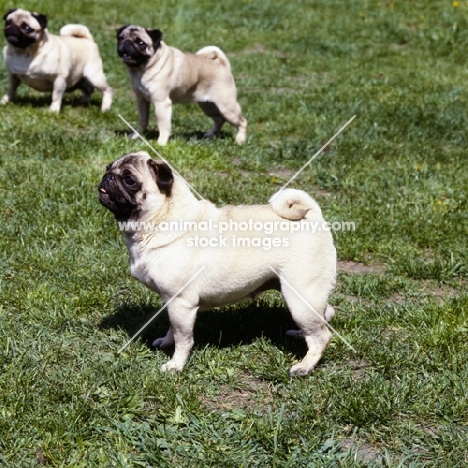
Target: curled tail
76 30
294 204
215 53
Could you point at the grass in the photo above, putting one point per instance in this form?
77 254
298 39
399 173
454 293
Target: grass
68 304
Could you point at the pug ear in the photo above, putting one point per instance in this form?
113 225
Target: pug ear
119 31
11 10
163 176
156 36
42 19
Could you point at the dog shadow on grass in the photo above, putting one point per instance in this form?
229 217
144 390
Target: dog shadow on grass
195 136
43 101
221 328
36 102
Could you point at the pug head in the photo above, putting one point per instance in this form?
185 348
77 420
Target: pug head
136 45
135 185
22 28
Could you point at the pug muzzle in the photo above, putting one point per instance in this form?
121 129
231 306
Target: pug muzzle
117 197
130 55
15 36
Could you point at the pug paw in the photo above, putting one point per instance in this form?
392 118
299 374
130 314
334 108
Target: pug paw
55 107
162 342
133 136
240 139
299 370
210 134
295 333
162 141
171 367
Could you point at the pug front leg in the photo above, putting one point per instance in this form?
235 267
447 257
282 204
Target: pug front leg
60 85
182 316
163 116
143 107
13 83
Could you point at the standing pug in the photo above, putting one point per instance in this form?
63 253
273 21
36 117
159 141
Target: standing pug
164 75
147 197
47 62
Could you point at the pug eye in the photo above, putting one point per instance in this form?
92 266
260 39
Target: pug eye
141 43
129 181
26 27
8 22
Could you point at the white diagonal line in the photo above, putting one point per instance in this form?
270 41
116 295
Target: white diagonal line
147 143
314 156
313 310
161 309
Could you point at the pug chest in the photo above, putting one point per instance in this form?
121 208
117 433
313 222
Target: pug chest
31 73
20 65
140 266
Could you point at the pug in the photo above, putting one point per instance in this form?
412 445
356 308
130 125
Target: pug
163 75
46 62
164 226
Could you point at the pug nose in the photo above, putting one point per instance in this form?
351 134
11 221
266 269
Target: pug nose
126 46
105 180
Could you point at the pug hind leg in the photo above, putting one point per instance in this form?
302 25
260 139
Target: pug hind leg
87 88
95 75
211 110
231 111
308 312
182 317
165 341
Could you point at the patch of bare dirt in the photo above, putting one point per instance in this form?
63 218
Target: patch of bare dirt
256 48
359 368
432 431
112 27
359 268
322 193
353 300
437 290
259 48
429 290
246 394
271 89
41 458
282 172
365 453
398 299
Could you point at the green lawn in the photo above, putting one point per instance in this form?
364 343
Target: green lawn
399 171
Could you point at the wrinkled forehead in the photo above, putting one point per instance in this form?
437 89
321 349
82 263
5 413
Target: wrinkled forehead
131 162
134 31
22 16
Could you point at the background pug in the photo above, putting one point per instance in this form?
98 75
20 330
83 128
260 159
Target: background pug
138 189
46 62
163 75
